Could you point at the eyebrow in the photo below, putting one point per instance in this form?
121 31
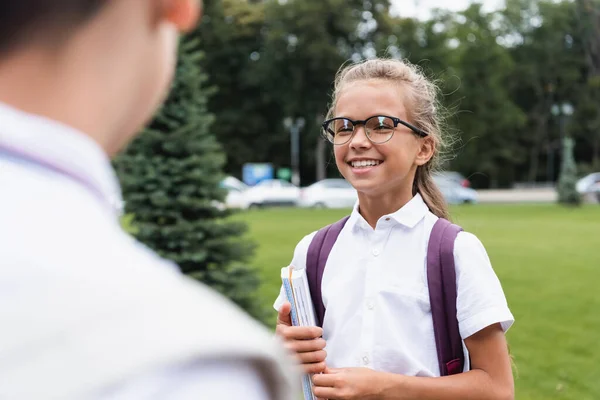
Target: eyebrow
396 115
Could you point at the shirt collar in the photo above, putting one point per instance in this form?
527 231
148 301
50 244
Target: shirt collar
60 148
408 215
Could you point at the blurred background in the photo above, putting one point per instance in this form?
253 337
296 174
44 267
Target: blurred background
233 172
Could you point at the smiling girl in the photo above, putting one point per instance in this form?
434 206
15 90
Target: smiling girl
377 338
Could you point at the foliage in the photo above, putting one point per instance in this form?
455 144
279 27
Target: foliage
501 72
170 177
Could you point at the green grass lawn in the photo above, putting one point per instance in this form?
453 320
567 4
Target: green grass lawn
548 259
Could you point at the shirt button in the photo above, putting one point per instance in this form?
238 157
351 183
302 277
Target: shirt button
365 360
370 305
375 252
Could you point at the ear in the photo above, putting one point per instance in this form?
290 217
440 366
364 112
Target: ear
426 151
184 14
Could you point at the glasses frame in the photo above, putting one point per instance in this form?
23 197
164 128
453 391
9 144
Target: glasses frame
355 123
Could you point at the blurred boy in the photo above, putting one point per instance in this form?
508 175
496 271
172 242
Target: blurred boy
85 311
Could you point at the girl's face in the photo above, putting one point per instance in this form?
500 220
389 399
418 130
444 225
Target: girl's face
396 160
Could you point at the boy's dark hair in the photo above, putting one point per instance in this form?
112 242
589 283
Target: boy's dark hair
23 21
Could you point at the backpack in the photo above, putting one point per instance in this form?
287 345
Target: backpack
441 279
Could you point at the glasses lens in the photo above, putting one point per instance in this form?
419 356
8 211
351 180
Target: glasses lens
339 130
380 129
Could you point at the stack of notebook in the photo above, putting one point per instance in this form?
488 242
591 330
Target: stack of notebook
296 288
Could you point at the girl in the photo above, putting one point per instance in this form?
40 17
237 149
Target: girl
384 124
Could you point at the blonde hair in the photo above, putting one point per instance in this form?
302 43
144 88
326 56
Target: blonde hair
423 108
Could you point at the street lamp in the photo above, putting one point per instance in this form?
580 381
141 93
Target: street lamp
561 111
295 126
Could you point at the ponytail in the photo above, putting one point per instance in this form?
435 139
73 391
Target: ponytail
431 194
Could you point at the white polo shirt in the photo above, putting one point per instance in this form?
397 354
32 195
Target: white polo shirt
75 288
375 292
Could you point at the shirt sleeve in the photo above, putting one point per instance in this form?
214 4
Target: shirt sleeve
481 301
227 380
298 262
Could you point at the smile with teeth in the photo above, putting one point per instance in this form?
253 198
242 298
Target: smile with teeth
364 163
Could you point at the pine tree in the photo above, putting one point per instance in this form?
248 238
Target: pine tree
170 177
567 192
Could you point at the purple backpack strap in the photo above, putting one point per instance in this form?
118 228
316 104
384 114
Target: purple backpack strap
316 257
441 278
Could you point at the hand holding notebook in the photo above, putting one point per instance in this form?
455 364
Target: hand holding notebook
297 326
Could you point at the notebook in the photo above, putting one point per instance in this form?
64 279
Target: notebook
302 313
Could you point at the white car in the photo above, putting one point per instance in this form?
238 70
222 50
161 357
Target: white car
457 177
329 193
589 187
589 183
232 182
236 198
271 192
454 191
235 193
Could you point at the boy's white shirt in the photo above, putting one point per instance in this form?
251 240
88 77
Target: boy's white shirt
86 312
374 288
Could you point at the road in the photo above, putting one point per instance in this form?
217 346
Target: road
535 195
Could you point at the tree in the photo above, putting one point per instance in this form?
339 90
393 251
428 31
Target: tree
567 192
588 115
588 14
487 118
543 41
501 72
272 60
248 115
170 177
305 43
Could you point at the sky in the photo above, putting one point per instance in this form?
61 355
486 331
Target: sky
422 8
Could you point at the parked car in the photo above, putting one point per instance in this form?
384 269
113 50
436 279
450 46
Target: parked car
236 198
272 192
454 190
589 186
589 183
329 193
231 182
235 193
456 177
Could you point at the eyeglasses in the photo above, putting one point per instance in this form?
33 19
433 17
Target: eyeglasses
379 129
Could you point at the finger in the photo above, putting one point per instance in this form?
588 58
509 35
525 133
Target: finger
333 370
299 332
283 316
306 346
324 380
328 393
312 357
305 357
314 368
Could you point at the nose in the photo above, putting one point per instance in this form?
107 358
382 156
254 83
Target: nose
360 139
